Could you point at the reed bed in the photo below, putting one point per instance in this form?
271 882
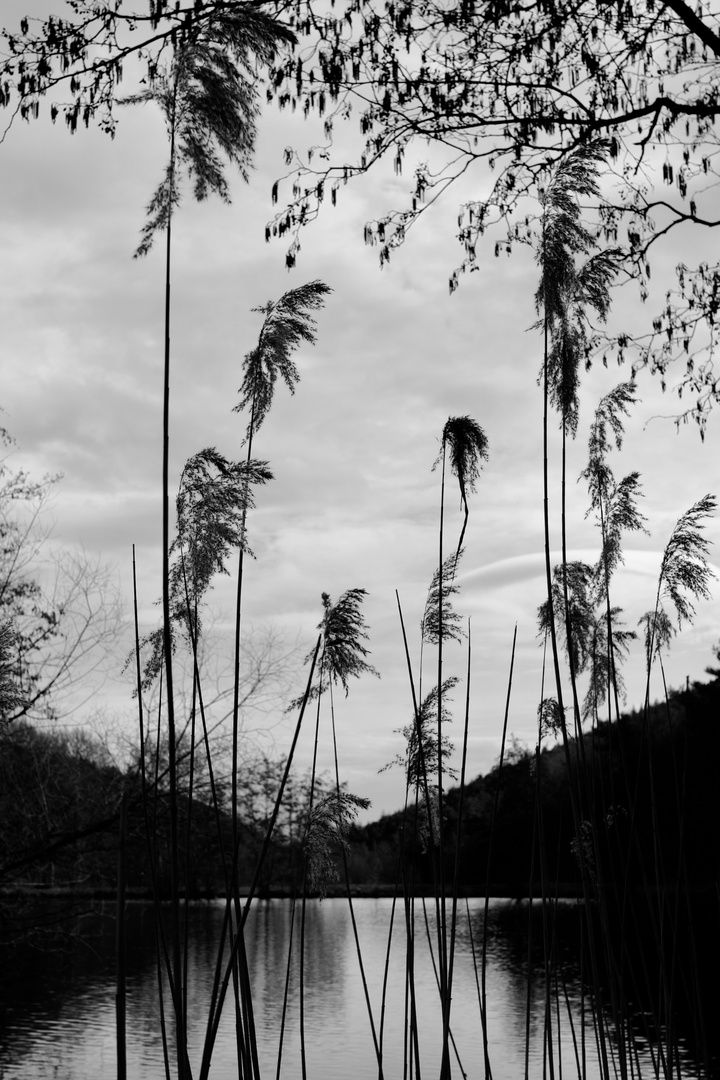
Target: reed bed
622 882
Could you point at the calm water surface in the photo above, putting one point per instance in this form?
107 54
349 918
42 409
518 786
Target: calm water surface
60 1024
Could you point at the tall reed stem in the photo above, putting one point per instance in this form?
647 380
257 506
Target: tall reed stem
459 830
214 1018
441 902
181 1041
120 980
346 872
483 961
577 819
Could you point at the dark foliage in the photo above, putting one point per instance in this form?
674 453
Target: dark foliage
509 89
683 740
60 797
11 699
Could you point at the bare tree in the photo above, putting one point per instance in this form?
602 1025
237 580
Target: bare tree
269 664
61 607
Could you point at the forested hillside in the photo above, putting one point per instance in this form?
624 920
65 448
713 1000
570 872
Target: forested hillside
651 784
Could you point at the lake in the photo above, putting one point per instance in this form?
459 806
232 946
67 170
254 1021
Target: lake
59 1011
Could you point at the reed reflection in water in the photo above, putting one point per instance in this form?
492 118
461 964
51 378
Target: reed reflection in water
62 1023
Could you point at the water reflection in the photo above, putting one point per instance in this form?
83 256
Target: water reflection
59 1019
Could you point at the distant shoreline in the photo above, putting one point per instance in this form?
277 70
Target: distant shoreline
498 891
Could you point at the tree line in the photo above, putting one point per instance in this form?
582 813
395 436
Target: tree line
61 794
656 769
61 797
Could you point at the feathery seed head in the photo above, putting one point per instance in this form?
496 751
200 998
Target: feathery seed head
575 625
432 627
421 759
468 447
344 630
658 633
288 322
685 567
604 663
327 830
550 718
565 292
208 95
212 504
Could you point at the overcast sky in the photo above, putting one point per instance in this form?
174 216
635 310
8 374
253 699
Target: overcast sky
354 502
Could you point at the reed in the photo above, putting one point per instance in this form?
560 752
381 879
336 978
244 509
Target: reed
579 612
580 625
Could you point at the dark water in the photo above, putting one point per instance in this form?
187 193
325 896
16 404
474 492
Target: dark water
59 1000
